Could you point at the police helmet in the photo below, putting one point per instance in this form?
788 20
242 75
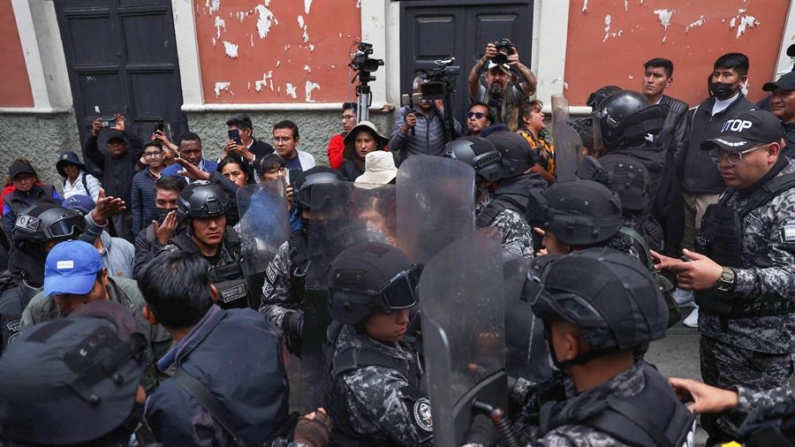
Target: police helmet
327 196
610 296
628 178
371 277
480 154
202 200
47 222
73 380
625 118
578 213
595 98
517 156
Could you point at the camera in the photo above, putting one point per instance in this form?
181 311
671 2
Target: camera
504 49
440 81
363 63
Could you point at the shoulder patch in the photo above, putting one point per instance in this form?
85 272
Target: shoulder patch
788 233
422 414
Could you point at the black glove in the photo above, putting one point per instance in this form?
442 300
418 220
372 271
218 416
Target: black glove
313 432
293 323
481 431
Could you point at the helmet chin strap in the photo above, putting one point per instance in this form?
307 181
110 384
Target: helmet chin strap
580 359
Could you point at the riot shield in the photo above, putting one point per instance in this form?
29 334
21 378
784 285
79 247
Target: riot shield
526 350
463 323
342 214
264 227
435 204
568 145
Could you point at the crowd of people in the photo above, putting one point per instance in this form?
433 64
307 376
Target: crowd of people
177 299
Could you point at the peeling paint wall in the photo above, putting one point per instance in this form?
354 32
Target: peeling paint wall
610 40
15 88
276 51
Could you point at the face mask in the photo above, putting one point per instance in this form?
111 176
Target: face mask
161 214
721 90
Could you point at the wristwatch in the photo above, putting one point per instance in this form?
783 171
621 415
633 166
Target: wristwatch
727 280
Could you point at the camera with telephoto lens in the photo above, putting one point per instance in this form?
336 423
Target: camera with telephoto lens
363 63
440 81
505 48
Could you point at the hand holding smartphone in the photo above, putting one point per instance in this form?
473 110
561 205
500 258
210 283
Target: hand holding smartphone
234 135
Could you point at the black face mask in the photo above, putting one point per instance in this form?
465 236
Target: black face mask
721 90
161 214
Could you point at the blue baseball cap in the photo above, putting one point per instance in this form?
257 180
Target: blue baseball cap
71 268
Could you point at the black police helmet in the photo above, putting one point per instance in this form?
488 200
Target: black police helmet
614 110
371 277
480 154
579 213
598 96
329 196
73 380
202 200
47 222
628 178
517 157
610 296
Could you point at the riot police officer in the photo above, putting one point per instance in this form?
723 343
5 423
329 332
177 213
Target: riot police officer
597 306
203 207
501 189
283 290
37 230
373 386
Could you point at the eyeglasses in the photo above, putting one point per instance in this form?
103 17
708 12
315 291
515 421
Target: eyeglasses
732 158
348 117
152 154
477 115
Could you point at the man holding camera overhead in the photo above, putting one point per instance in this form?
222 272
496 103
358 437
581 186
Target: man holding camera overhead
501 63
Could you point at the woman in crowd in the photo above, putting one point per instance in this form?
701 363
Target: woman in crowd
532 127
236 170
360 141
76 181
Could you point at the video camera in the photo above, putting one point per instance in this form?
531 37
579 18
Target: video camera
505 48
440 81
363 63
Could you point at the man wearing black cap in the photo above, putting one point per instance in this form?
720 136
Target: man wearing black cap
744 271
782 104
117 163
27 191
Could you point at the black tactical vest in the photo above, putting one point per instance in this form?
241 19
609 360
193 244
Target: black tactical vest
347 361
653 417
721 238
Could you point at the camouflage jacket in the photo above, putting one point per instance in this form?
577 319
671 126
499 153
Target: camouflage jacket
749 400
381 402
517 235
768 260
277 294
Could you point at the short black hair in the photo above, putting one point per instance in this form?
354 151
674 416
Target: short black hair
269 162
238 160
153 143
287 124
188 136
659 62
170 183
489 114
737 61
176 288
349 106
242 122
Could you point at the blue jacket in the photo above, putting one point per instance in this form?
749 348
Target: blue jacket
205 165
143 201
237 355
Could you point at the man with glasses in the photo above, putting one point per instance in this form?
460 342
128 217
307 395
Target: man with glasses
143 195
285 140
743 274
337 144
478 118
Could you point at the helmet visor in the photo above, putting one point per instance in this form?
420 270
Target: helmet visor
67 227
398 293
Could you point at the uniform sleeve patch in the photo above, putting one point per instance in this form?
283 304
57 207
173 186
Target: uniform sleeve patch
422 414
788 233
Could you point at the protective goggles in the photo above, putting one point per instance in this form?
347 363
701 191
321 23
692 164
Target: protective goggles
322 196
68 227
398 293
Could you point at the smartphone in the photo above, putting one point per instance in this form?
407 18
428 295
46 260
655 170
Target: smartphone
234 135
108 122
159 126
293 174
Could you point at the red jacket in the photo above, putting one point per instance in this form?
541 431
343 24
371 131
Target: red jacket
335 148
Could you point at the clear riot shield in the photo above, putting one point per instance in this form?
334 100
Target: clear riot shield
341 214
568 145
463 321
264 227
435 204
526 351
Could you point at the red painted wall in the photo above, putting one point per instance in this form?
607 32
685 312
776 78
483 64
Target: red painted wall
610 40
15 88
259 52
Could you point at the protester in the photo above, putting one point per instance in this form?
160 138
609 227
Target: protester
360 141
337 144
76 181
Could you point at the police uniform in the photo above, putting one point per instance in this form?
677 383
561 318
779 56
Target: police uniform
279 294
517 236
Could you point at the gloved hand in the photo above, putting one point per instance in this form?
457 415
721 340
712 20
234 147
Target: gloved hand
293 323
314 429
481 431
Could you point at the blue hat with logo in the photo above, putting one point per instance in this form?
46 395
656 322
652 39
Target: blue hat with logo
71 268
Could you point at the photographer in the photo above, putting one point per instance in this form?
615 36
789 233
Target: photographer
429 124
498 62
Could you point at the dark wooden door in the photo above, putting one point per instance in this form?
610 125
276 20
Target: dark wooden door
437 29
122 58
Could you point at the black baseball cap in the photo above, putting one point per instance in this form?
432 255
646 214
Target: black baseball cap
20 167
116 135
786 82
746 130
